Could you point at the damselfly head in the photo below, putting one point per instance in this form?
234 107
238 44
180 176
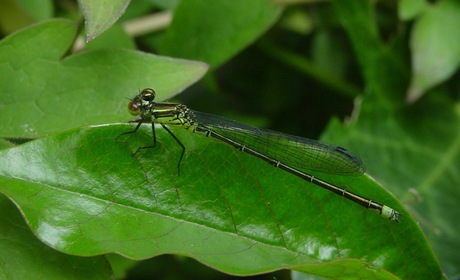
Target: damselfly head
142 102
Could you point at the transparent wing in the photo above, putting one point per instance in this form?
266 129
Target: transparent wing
300 153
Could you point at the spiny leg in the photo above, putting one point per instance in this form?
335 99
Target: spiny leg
154 139
180 144
139 121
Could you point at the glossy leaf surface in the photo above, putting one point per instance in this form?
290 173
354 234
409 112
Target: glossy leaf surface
83 193
23 255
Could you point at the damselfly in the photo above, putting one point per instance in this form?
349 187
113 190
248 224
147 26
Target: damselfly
293 154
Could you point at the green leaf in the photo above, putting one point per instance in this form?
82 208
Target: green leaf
41 90
435 47
115 37
409 9
414 151
38 9
197 33
21 249
411 150
100 15
83 193
5 144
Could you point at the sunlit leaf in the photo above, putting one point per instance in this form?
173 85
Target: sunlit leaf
41 90
82 192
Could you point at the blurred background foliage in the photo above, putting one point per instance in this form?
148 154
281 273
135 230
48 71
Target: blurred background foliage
300 71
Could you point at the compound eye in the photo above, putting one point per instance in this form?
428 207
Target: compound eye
133 108
148 94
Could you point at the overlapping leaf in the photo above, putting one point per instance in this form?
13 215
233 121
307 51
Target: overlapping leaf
43 92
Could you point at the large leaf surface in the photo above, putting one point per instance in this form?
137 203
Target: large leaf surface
198 33
42 92
84 193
